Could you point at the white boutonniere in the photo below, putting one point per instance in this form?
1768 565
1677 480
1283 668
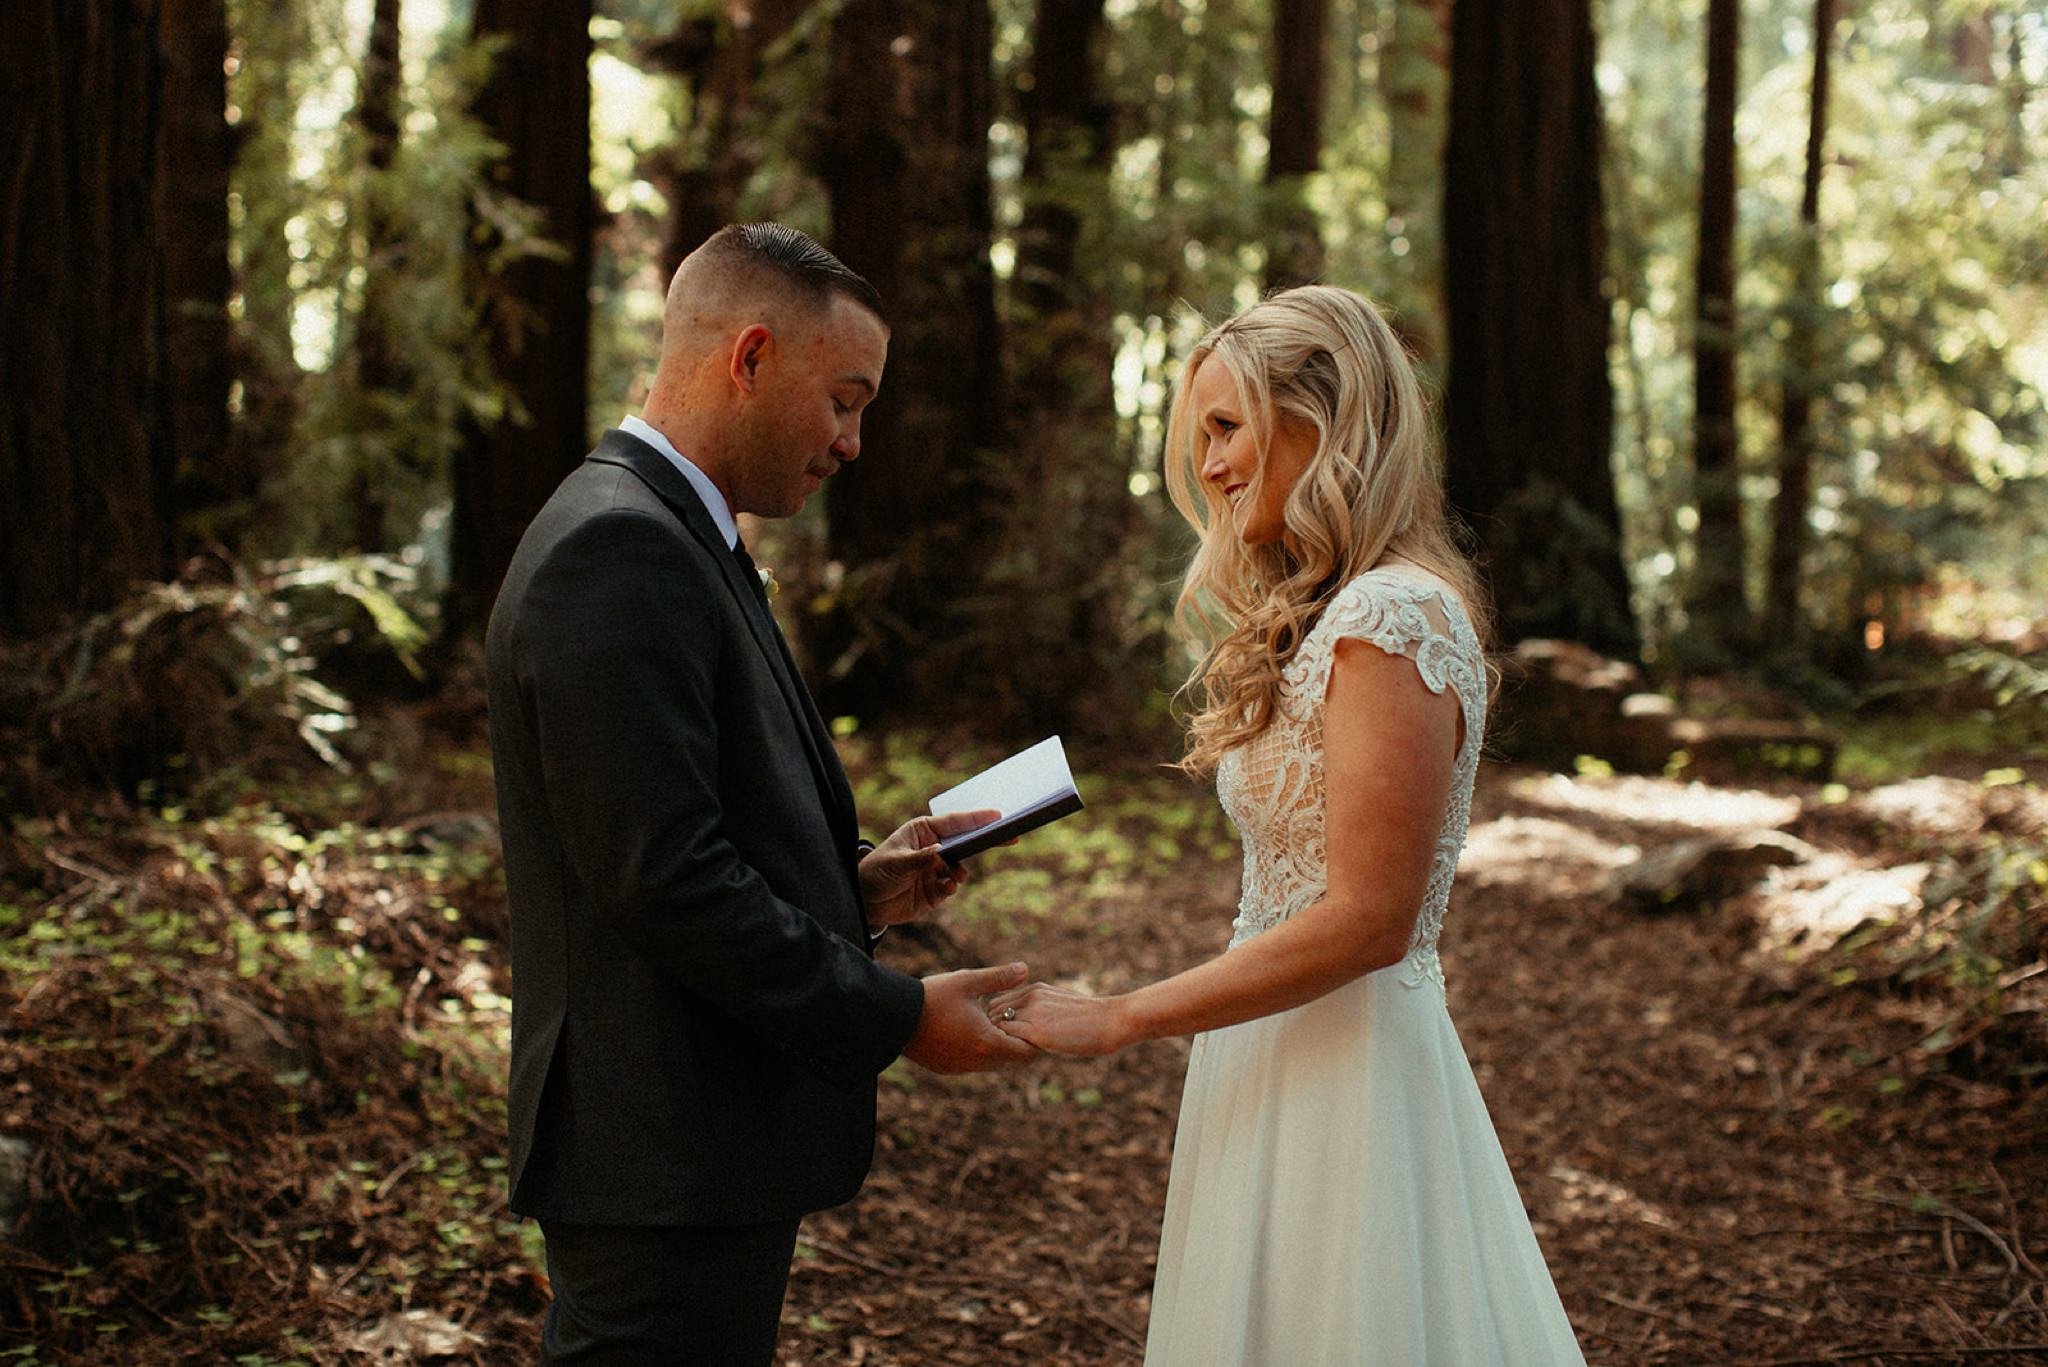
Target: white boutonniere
768 584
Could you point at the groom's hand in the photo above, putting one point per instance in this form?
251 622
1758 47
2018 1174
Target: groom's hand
905 878
955 1034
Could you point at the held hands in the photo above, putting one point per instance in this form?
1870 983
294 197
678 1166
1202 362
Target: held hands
1060 1021
905 878
955 1034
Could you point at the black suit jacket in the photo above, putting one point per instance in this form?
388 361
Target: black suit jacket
697 1020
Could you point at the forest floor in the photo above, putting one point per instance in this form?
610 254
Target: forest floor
256 1057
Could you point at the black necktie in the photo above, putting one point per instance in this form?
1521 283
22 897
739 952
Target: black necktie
747 569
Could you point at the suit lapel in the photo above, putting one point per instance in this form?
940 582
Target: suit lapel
653 468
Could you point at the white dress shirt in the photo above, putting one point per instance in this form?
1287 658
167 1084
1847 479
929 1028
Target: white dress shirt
714 502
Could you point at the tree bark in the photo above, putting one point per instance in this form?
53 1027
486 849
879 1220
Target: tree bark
1530 407
914 520
1295 136
1069 506
1415 77
536 308
212 498
1715 602
87 411
377 362
1784 622
721 58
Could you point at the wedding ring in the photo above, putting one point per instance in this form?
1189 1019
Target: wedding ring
1009 1013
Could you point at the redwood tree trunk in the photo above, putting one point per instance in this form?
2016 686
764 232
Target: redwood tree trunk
914 520
87 413
376 354
1295 134
1715 602
1064 574
1785 623
1415 78
721 58
213 499
1530 410
537 308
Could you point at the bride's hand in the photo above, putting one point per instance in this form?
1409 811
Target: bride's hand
1061 1021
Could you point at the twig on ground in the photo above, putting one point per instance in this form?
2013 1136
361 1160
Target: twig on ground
1865 1354
1667 1316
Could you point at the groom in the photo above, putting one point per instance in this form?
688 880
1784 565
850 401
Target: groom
698 1018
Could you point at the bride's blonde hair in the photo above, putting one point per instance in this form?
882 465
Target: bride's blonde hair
1373 488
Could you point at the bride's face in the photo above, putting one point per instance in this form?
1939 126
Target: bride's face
1253 483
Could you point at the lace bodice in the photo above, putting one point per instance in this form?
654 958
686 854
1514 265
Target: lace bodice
1272 785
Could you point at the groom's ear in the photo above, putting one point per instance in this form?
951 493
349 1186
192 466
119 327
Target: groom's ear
750 350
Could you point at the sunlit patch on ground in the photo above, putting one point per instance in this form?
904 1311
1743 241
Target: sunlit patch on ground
1582 1195
1656 802
1814 904
1554 854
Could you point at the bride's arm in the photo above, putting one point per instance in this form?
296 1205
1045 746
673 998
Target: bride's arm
1389 746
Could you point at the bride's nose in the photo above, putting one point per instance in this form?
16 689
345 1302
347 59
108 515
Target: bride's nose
1213 468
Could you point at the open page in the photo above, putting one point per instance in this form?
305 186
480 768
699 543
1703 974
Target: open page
1031 789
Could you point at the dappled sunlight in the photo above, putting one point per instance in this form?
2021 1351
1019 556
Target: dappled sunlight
1583 1196
1812 905
1931 806
1554 855
1656 802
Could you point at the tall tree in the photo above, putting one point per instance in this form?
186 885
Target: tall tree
1784 622
1530 409
1295 138
101 101
377 359
1070 506
1715 603
914 520
1416 80
720 56
536 307
212 496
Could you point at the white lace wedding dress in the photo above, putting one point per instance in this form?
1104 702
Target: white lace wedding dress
1338 1195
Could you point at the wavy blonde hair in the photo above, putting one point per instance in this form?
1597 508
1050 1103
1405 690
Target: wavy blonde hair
1373 488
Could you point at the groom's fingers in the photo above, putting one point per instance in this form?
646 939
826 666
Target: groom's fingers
952 823
983 982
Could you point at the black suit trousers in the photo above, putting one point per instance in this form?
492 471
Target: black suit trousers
663 1295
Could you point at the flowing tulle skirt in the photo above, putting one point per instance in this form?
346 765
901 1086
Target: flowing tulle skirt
1339 1197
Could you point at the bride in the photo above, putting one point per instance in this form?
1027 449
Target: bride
1337 1194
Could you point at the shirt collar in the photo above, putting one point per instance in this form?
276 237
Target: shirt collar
714 501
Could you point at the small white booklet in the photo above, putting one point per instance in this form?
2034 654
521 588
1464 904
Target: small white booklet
1031 788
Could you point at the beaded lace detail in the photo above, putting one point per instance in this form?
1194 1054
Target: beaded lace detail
1272 785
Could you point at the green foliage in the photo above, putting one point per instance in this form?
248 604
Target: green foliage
1976 948
1932 462
330 248
1133 832
216 673
1979 710
259 1045
1932 441
2012 680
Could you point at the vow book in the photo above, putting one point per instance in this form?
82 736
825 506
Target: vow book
1031 788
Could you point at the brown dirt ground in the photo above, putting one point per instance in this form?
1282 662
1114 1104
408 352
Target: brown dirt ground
1711 1176
1729 1158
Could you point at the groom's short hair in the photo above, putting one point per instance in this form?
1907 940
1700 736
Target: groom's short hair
793 258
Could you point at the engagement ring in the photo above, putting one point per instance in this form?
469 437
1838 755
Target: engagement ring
1009 1013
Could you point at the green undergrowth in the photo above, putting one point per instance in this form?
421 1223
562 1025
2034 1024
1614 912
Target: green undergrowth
1138 824
257 1048
1900 745
259 1063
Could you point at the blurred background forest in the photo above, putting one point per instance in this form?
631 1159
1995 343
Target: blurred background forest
1735 311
